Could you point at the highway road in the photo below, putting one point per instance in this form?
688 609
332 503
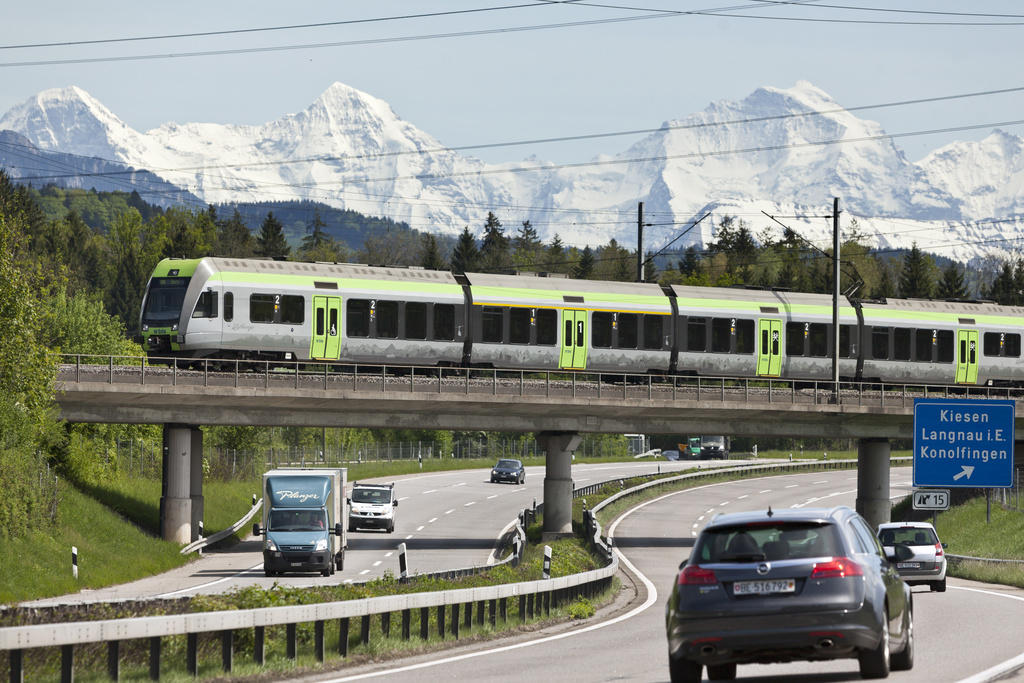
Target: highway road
959 634
448 520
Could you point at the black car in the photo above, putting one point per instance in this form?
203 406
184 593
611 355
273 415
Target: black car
797 584
508 470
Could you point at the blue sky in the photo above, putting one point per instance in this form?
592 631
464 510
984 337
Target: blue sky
505 85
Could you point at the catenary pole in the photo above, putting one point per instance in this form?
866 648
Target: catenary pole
835 295
640 242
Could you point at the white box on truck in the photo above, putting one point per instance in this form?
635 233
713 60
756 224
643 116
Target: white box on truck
303 520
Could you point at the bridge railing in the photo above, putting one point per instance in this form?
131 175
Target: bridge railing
577 384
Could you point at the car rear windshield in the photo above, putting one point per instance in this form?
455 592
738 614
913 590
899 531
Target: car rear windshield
508 464
766 541
909 535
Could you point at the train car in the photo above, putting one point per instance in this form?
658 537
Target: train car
284 311
555 323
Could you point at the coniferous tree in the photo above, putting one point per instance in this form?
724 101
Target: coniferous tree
585 266
650 270
466 256
886 287
234 238
431 256
271 241
316 236
917 279
689 263
495 247
526 246
1003 289
555 256
130 272
952 286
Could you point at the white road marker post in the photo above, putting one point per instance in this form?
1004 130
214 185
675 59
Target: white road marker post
403 565
74 561
547 562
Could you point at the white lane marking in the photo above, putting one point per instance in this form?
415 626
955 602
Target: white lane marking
432 520
792 486
408 537
419 528
365 571
448 512
430 491
992 673
461 483
466 505
743 496
765 491
212 583
377 563
389 554
700 518
709 510
494 496
724 503
403 498
823 481
652 597
817 498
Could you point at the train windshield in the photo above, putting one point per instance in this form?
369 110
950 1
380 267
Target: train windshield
163 302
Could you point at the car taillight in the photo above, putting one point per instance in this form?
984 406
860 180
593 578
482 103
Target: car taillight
836 567
693 575
938 550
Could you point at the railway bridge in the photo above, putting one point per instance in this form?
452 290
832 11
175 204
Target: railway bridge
560 406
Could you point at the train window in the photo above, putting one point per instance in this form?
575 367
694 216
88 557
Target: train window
444 322
653 331
744 336
628 330
1011 345
817 337
491 319
992 343
206 306
846 335
387 319
601 325
358 318
795 338
262 307
923 345
944 341
293 309
547 326
880 343
229 307
519 326
721 335
319 322
415 320
696 334
901 343
333 330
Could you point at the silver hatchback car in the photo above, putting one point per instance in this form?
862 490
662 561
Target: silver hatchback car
928 565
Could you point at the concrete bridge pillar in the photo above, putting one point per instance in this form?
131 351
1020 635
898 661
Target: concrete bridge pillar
176 501
559 447
196 480
873 481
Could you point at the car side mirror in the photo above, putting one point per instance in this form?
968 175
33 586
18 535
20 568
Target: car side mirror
395 502
682 564
348 500
945 545
337 529
256 530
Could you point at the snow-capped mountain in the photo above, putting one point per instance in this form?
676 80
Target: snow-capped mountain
770 152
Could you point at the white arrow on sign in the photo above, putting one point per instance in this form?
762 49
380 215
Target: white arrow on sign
966 471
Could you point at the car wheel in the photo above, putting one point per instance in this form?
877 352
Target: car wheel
325 572
722 672
684 670
339 561
351 527
391 528
939 586
875 663
522 479
267 572
904 659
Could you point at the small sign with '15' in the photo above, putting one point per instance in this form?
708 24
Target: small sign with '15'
931 499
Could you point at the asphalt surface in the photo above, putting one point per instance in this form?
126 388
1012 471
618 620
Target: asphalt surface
967 630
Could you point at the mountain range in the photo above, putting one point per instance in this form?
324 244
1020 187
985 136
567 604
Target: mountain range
777 151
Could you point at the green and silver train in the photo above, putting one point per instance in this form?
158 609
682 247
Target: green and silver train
228 308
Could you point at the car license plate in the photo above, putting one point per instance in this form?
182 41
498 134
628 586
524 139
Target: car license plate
296 564
763 587
908 565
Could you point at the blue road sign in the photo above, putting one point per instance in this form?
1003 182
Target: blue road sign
963 443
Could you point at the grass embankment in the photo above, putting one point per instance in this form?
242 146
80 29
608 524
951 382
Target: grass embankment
569 556
964 530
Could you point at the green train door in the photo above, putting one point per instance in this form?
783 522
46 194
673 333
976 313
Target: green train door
769 348
574 340
326 343
967 357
